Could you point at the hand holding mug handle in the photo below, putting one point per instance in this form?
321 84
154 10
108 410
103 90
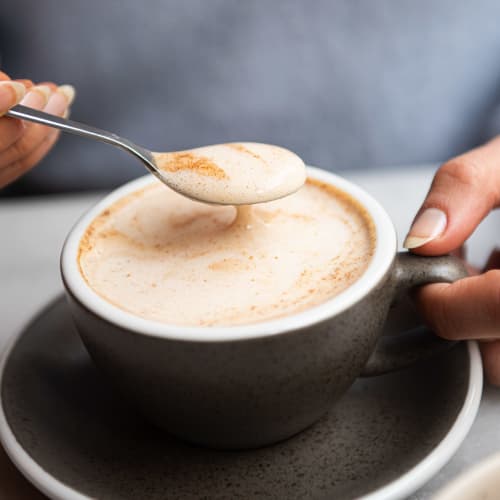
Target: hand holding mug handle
398 351
463 192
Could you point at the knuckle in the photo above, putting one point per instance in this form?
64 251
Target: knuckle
464 171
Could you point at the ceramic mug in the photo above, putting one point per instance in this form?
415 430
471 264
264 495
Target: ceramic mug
247 386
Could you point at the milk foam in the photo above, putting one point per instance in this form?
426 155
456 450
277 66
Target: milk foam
166 258
234 173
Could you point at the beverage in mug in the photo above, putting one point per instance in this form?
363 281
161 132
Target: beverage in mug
163 257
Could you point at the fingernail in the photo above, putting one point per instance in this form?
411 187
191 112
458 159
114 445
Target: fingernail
27 83
11 93
37 97
428 226
68 91
66 113
57 104
52 86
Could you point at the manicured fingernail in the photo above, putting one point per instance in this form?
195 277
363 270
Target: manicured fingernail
11 93
57 104
68 91
27 83
428 226
37 97
52 86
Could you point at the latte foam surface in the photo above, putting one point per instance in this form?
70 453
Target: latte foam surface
163 257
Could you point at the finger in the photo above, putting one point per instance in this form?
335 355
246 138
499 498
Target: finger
59 101
52 86
463 192
69 92
38 139
22 165
490 352
11 129
40 97
11 94
27 83
468 308
36 98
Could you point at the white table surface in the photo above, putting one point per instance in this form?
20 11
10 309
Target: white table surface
32 232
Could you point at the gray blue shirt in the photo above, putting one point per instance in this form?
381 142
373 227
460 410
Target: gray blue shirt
344 83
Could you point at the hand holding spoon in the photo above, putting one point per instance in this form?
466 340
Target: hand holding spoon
226 174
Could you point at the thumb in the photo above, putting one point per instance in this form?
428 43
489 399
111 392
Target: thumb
463 192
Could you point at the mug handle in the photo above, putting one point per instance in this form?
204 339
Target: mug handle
394 352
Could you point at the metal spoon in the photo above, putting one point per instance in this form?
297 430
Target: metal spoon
258 172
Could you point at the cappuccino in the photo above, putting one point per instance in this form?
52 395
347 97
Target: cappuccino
163 257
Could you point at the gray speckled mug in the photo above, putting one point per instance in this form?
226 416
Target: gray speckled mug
253 385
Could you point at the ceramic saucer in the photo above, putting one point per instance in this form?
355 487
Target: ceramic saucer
75 438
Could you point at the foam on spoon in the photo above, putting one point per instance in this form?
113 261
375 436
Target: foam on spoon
234 173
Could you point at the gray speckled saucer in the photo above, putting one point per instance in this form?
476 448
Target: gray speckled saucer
74 438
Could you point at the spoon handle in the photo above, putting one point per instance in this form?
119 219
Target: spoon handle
33 115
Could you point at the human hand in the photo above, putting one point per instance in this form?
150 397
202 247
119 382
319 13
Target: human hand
22 144
463 192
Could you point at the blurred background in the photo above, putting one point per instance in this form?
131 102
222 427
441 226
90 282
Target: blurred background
344 83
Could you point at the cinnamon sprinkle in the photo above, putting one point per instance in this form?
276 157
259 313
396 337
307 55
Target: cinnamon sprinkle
242 149
173 162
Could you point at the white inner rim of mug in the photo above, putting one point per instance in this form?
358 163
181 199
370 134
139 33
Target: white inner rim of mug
385 248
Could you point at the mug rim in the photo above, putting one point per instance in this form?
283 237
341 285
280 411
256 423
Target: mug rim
379 265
